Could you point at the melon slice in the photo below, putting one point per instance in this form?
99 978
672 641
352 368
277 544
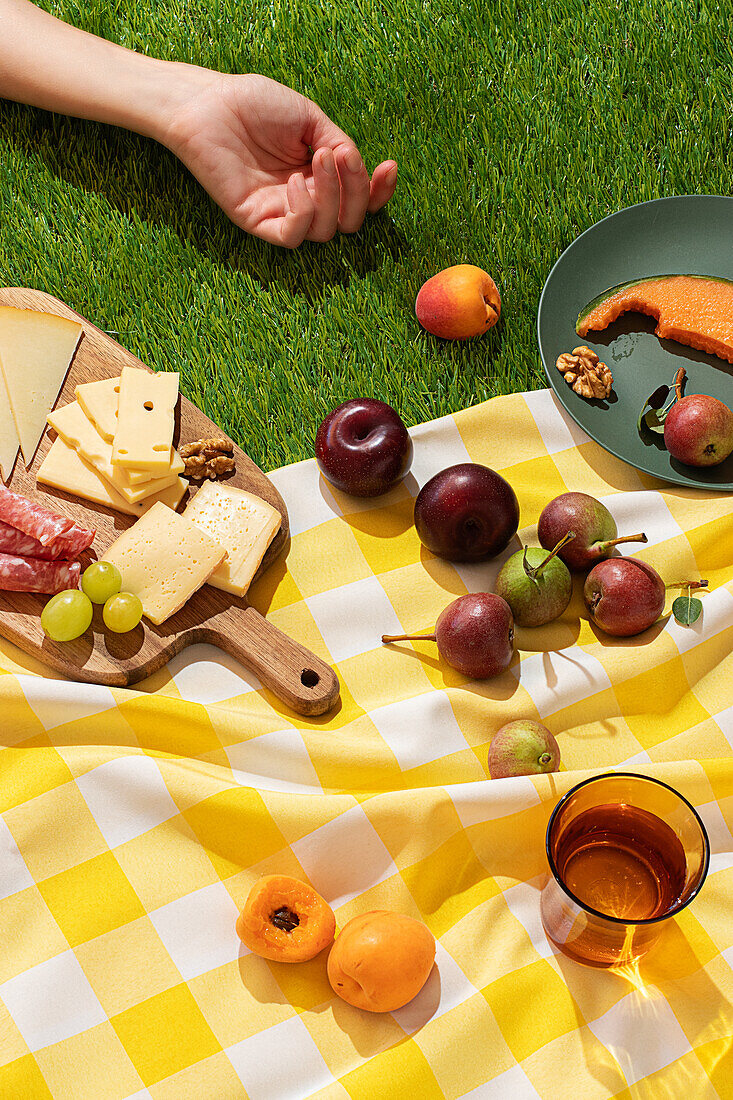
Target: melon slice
696 310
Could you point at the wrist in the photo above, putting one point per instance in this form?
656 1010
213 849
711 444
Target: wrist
171 88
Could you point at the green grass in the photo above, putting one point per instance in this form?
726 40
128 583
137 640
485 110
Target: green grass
516 125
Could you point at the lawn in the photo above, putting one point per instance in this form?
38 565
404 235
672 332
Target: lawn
516 124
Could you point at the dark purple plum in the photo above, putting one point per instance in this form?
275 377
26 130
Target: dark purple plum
466 513
363 447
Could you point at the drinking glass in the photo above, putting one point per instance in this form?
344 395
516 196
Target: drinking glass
626 853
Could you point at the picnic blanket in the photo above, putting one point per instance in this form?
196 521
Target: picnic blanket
134 822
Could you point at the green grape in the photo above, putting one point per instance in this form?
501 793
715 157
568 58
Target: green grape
100 581
67 615
122 612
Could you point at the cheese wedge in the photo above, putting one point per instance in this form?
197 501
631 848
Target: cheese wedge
71 423
36 350
99 400
145 420
164 559
8 435
244 524
63 468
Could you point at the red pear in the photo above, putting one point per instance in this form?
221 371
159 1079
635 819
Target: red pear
624 596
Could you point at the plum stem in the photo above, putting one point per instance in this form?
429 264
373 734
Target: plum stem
533 572
408 638
641 537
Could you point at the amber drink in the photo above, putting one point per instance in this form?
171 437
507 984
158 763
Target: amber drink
626 853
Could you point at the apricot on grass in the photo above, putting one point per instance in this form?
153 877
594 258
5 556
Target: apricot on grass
381 960
458 303
285 920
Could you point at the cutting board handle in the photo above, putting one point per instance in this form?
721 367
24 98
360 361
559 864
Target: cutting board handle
306 683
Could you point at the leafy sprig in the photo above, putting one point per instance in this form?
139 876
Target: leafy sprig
686 608
657 405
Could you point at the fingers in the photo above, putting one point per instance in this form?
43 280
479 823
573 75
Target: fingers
384 181
355 188
326 196
290 229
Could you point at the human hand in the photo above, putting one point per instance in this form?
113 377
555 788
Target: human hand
272 160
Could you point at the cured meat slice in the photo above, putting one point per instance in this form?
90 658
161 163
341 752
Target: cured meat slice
32 519
13 541
73 542
34 575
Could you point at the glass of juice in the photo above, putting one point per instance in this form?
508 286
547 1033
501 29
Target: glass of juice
626 853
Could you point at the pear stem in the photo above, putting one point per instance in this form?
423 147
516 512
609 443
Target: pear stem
688 584
408 637
534 571
679 379
641 537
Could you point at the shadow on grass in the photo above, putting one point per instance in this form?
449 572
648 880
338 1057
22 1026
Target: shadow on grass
147 183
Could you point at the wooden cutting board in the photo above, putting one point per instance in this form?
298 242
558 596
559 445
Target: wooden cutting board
292 672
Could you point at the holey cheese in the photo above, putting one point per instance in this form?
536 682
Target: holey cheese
36 350
164 559
145 420
244 524
71 423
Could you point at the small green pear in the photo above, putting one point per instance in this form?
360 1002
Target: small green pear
536 585
523 747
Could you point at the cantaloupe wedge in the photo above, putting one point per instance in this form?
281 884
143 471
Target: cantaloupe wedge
696 310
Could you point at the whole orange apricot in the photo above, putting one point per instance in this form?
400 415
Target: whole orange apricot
381 960
458 303
284 919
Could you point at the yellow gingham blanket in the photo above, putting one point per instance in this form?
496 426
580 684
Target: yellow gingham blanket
134 822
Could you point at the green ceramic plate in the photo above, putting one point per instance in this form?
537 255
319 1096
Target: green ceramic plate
688 235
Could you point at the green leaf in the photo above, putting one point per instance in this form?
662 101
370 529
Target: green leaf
653 404
654 420
686 610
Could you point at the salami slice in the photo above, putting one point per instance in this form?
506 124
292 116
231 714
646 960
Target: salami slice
34 575
32 519
13 541
73 542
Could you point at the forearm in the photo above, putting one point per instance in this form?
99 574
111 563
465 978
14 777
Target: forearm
47 63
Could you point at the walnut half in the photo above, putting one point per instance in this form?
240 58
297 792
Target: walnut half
207 458
585 373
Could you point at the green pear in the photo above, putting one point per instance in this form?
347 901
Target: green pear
536 584
523 747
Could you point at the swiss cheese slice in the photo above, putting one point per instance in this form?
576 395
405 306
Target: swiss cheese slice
145 420
244 524
139 477
8 434
164 559
36 350
63 468
72 424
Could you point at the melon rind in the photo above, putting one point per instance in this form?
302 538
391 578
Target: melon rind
612 291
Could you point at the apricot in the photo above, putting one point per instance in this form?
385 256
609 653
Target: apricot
381 960
285 920
458 303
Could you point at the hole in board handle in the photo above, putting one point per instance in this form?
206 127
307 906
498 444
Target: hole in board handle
148 405
309 678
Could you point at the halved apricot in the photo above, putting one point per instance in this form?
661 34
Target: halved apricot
381 960
285 920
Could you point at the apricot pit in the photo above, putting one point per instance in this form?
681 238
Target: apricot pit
285 920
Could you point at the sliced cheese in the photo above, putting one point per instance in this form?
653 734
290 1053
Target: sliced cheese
36 350
244 524
8 435
145 420
139 477
63 468
73 425
99 401
164 559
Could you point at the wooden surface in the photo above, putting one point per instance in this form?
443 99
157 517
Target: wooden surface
293 673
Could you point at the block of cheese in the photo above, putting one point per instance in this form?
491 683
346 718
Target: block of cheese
73 425
36 350
244 524
8 435
145 420
164 559
63 468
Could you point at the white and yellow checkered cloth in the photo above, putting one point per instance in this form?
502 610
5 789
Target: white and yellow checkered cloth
133 823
